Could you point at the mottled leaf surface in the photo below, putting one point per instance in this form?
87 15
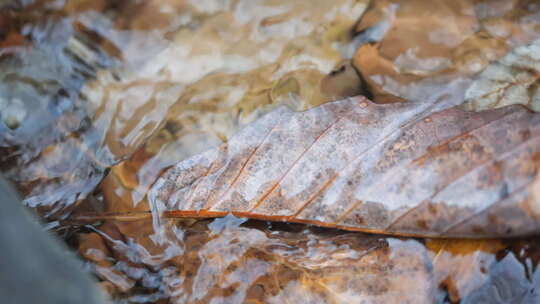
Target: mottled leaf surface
512 80
406 169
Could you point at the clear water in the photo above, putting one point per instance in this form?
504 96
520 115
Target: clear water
98 98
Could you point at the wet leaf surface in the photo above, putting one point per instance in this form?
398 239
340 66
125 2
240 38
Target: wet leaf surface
97 80
229 261
461 265
403 169
514 79
151 83
257 262
416 48
224 262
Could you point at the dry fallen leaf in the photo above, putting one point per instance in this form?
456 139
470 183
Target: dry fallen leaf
406 169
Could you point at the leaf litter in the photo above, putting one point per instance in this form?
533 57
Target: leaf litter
128 267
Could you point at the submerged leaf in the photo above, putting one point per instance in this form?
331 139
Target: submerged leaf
515 79
415 44
256 265
406 169
460 265
229 262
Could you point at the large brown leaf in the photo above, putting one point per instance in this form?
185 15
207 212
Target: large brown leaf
406 169
231 260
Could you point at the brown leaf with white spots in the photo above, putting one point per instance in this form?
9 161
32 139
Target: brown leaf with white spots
405 169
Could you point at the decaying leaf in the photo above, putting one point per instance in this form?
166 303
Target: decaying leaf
406 169
420 37
515 79
415 43
259 262
275 263
232 261
226 263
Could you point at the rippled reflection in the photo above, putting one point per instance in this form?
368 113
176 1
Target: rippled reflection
180 76
136 86
225 261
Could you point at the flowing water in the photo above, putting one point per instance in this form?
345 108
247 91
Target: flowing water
98 97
